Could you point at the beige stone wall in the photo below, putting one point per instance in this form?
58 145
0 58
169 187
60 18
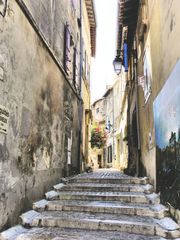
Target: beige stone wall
43 113
98 111
120 122
86 121
162 18
98 120
50 18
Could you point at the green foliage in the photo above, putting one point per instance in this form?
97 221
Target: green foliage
98 138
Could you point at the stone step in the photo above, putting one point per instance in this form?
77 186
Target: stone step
127 197
13 233
118 180
20 233
96 187
157 211
111 222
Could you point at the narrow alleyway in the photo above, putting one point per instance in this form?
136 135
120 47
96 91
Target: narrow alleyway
105 204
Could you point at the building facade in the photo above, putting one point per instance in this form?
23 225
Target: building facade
120 123
88 51
150 30
40 100
110 137
110 115
97 154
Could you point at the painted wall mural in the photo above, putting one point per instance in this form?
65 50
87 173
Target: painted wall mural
167 133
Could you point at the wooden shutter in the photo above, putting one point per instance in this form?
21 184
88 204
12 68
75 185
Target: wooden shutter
67 40
75 67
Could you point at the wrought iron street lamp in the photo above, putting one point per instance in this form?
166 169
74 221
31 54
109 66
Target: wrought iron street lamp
117 63
109 126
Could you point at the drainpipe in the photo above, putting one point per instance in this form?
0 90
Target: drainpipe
80 91
137 109
81 52
113 128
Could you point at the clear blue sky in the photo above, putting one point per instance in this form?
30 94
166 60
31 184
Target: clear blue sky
102 68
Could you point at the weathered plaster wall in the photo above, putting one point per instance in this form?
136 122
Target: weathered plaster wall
86 83
50 18
163 30
43 112
99 115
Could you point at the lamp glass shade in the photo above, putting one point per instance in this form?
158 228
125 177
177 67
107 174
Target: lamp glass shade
117 63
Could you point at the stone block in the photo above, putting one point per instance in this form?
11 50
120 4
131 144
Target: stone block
28 218
40 205
59 186
12 233
52 195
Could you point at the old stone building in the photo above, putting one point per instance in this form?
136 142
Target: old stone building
97 154
40 100
149 38
88 51
109 114
115 110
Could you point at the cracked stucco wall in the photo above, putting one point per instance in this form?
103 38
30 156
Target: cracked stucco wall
32 87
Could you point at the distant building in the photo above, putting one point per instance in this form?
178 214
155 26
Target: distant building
110 114
97 155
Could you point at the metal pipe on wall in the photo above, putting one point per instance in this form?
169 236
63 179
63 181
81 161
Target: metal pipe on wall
80 91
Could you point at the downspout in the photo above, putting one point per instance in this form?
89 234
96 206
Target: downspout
124 38
80 92
137 108
113 128
81 52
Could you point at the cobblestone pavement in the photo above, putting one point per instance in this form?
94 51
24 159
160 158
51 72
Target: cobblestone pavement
105 204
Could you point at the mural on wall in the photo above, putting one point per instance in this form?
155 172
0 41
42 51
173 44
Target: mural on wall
167 132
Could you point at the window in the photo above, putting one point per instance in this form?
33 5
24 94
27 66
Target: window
75 67
84 64
109 154
97 110
67 44
147 78
147 70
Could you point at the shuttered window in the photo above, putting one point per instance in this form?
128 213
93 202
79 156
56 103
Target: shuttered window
67 41
75 67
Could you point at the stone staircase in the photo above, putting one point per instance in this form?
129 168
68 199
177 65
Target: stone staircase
99 205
